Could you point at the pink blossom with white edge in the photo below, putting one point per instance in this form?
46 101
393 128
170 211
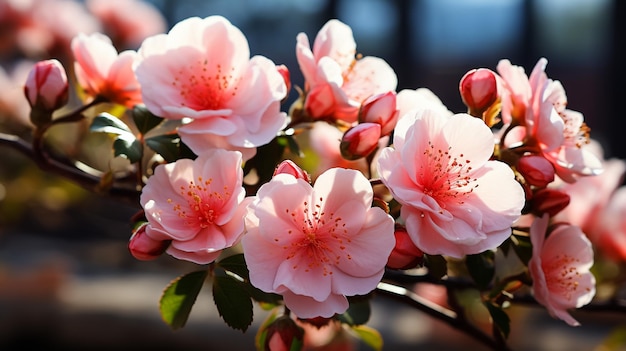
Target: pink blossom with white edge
198 205
319 244
202 70
455 201
336 81
560 267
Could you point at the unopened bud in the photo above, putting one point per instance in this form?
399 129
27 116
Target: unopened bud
284 71
143 247
360 141
380 109
289 167
536 170
479 90
282 334
405 255
46 90
550 201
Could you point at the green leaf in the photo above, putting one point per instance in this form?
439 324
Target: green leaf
233 302
128 146
370 336
107 123
481 267
358 312
236 264
522 247
437 265
179 297
167 145
144 119
500 318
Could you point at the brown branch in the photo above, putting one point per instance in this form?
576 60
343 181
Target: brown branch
438 312
56 167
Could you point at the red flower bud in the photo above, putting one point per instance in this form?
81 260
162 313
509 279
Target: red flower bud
143 247
536 170
405 254
479 90
360 140
550 201
284 71
46 87
282 334
380 109
289 167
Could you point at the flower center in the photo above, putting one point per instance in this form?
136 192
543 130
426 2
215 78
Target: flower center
563 275
202 88
202 205
318 237
446 177
576 132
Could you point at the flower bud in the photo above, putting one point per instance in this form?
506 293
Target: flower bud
284 71
282 334
143 247
360 141
46 90
289 167
405 255
479 90
380 109
536 170
550 201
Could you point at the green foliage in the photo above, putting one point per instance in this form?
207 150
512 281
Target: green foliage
370 336
233 302
358 312
170 147
437 266
481 268
237 264
500 318
179 297
125 144
144 119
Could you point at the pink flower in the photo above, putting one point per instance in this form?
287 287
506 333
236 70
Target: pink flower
198 205
319 244
325 140
610 237
405 255
336 81
14 108
455 201
128 22
46 87
538 104
560 267
289 167
202 70
537 171
102 73
143 247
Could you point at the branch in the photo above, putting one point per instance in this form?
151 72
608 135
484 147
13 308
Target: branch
84 179
438 312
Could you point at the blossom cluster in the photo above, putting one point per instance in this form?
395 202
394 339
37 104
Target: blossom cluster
399 179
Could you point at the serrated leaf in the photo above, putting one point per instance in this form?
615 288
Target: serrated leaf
481 268
179 297
370 336
500 318
233 302
236 264
437 265
144 119
107 123
128 146
358 312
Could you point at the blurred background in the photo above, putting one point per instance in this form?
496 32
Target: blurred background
67 280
